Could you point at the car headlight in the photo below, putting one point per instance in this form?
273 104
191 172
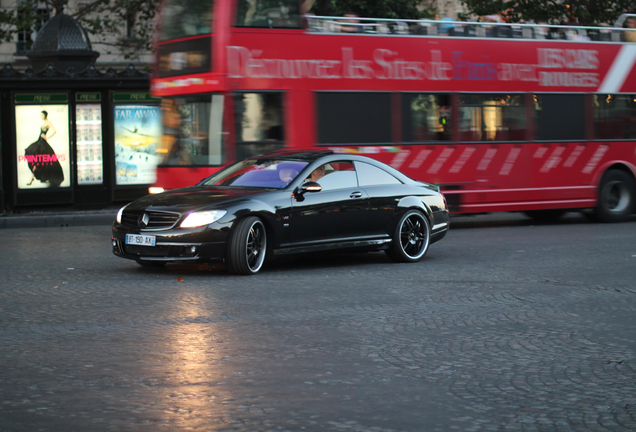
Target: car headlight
119 213
197 219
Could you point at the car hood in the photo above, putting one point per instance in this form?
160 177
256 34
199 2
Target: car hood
194 198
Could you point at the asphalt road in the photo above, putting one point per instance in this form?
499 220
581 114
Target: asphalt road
505 325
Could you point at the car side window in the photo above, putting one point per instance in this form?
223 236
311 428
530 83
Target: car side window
369 175
335 175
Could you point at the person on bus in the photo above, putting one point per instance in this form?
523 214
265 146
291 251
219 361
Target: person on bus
630 35
351 19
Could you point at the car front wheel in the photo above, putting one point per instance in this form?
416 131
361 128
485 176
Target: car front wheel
411 238
247 247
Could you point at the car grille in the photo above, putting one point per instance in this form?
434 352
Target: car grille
157 220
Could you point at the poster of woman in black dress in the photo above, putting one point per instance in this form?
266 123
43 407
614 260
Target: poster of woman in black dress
46 157
43 163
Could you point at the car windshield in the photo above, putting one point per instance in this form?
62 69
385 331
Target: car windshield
269 173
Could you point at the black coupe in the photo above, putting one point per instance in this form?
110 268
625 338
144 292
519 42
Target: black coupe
285 202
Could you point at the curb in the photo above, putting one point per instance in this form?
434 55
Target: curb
57 220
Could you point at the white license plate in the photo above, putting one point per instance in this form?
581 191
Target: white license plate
140 240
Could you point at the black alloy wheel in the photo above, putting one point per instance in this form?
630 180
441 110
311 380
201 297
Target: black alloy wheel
247 247
411 238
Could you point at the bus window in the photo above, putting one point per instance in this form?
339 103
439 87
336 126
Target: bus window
559 117
184 18
192 130
268 14
614 116
258 122
354 118
499 117
426 117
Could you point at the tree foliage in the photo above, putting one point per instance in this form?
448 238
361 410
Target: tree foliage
583 12
121 25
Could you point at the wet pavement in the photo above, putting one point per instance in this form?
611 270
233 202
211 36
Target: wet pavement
505 327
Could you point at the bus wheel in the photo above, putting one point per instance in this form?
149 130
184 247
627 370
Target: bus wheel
616 196
411 238
247 247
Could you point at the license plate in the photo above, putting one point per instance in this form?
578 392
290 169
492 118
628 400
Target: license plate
140 240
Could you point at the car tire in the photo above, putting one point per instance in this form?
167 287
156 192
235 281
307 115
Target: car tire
616 195
247 247
411 238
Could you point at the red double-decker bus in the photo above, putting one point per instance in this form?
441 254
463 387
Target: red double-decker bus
540 119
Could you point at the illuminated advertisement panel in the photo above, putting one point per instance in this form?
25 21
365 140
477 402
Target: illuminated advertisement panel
42 141
137 137
88 132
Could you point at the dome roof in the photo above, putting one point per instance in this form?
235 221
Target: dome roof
63 43
61 33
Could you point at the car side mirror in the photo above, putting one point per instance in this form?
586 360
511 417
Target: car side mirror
304 188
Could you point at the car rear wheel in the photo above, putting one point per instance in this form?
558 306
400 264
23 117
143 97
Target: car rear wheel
247 247
411 238
616 196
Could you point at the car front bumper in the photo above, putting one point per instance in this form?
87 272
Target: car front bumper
200 245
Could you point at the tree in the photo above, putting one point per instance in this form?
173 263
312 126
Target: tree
124 25
583 12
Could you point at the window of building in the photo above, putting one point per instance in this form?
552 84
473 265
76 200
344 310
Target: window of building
614 116
192 130
33 16
268 14
426 117
559 117
258 123
492 117
354 118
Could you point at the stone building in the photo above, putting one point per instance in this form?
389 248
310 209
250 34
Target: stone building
115 51
63 123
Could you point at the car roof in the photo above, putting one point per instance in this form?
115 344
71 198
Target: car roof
311 155
296 154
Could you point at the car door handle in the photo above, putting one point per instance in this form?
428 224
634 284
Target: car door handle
355 195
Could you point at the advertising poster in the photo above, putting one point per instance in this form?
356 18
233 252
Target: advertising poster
137 138
43 146
88 118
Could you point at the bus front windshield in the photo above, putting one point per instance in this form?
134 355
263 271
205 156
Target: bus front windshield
185 18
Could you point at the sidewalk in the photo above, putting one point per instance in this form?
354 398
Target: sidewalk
58 218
